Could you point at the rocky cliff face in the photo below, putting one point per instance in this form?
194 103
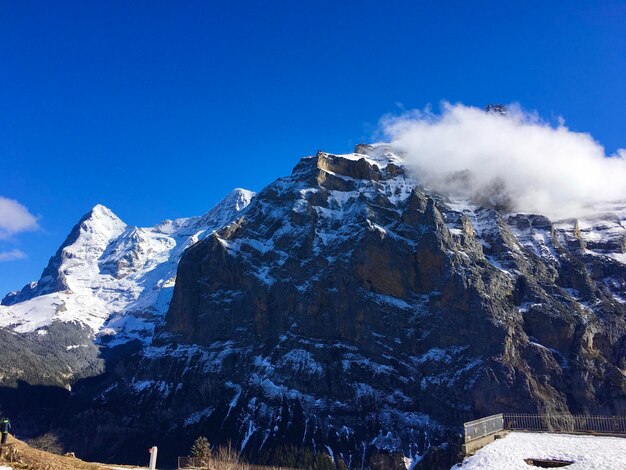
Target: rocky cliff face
350 309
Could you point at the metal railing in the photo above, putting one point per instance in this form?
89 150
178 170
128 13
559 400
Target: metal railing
566 423
557 423
483 427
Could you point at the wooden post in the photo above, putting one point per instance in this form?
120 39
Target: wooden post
153 457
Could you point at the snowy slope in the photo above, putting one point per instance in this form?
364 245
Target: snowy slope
114 278
587 452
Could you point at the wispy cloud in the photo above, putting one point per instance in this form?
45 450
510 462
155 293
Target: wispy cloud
15 218
11 255
528 163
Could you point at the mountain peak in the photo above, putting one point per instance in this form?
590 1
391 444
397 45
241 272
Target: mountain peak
235 200
226 210
100 211
240 197
99 220
85 243
100 208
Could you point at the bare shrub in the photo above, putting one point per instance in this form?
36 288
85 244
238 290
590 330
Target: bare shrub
223 458
48 442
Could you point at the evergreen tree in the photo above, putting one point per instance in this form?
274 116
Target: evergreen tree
201 451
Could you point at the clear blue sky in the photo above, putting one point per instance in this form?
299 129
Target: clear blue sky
157 109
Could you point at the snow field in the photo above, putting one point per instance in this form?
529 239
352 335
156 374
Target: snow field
587 452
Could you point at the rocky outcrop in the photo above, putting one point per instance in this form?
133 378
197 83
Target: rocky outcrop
352 309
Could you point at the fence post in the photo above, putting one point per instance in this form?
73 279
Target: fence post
153 457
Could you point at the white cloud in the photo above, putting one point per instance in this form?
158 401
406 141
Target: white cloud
11 255
15 218
533 165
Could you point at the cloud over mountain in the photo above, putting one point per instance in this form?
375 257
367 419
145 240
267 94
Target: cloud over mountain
528 163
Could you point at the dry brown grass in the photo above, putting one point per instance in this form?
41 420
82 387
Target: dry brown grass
20 456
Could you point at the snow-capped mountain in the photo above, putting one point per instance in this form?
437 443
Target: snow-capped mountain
354 309
349 309
109 282
112 277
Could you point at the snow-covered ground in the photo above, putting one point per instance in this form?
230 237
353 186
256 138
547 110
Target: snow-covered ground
587 452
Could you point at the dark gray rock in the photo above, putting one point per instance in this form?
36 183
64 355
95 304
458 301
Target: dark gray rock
375 318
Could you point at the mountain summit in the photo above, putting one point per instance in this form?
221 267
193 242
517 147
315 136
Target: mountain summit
83 246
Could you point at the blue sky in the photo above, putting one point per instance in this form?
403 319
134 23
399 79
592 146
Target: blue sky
158 109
